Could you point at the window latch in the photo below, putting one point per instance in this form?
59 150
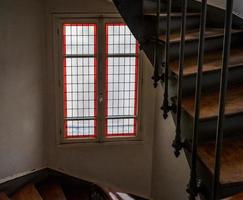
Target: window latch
101 98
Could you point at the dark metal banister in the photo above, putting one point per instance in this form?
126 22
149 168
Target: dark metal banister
156 77
222 99
193 183
166 107
177 144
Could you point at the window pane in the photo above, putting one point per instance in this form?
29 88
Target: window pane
121 81
77 128
121 127
79 39
120 40
121 90
79 80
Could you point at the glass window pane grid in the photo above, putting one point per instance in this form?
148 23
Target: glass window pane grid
121 81
79 80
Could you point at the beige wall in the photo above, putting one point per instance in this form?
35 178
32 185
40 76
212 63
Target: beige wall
84 6
21 88
170 174
127 166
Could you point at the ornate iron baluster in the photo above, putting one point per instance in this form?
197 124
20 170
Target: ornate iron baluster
222 98
156 77
166 107
177 144
193 183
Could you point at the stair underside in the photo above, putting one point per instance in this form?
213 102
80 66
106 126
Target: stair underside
77 193
194 35
231 159
209 103
212 62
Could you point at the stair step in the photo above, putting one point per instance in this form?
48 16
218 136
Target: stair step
192 35
236 197
231 159
173 14
3 196
50 190
193 21
209 103
212 62
28 192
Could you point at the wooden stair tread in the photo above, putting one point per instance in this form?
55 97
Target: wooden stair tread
209 103
231 159
28 192
51 191
3 196
236 197
173 14
212 62
194 34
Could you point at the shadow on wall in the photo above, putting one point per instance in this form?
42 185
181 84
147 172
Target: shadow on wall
170 174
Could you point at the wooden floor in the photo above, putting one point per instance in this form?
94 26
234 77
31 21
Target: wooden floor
232 159
209 103
212 62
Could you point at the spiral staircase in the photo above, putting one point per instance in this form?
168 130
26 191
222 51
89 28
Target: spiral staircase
197 53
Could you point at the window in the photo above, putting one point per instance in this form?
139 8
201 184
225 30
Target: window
79 47
121 81
100 77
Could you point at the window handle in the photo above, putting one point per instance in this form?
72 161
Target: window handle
101 98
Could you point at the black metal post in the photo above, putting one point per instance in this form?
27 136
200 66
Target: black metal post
177 144
166 107
193 183
156 77
222 99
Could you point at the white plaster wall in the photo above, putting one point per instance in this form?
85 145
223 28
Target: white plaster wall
21 86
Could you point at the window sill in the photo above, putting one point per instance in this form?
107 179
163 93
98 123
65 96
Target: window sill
96 143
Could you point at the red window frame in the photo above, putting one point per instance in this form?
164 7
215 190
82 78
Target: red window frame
79 135
134 133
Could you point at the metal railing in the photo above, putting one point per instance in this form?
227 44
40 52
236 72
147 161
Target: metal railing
222 98
194 183
193 186
166 107
177 144
156 77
